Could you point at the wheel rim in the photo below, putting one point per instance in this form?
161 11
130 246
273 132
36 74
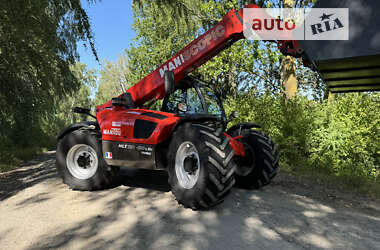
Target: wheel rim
82 161
187 176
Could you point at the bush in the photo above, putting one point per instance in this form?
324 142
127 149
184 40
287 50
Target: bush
11 154
341 138
6 148
346 136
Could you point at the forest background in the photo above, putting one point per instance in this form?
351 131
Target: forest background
336 139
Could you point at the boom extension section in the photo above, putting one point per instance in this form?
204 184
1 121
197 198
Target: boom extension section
199 51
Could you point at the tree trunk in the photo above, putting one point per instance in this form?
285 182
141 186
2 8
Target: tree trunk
288 68
232 80
331 97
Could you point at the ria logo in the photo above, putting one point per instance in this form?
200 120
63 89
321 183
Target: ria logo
327 24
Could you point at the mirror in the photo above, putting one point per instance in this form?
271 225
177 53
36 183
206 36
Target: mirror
85 111
80 110
182 107
119 101
169 82
233 115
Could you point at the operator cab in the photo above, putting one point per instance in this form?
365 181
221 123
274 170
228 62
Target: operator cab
191 98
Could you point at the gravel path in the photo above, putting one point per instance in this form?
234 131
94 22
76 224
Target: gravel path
37 211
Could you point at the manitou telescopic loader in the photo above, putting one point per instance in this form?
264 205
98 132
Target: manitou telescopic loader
188 137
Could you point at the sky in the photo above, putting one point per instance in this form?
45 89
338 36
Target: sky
111 22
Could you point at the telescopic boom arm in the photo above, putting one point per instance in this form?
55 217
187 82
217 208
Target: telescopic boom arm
202 49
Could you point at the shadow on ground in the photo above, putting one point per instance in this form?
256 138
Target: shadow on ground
27 174
139 212
138 218
43 168
141 178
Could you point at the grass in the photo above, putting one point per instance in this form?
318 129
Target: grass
11 160
357 184
5 167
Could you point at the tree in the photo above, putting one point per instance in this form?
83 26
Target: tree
38 41
157 39
112 75
63 115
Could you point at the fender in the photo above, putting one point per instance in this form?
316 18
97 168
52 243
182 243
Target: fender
235 130
161 150
76 126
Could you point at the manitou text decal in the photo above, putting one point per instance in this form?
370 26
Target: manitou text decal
194 49
112 131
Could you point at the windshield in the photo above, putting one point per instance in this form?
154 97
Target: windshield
197 99
184 97
211 100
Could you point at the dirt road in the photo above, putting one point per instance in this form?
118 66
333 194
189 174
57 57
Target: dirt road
37 211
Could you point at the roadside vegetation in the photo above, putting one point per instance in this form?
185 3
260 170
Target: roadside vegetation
42 80
38 73
335 142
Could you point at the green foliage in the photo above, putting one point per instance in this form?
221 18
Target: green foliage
346 136
38 41
158 37
185 11
63 116
49 124
183 14
112 75
340 138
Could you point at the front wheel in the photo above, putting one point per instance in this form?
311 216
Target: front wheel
260 164
201 167
80 161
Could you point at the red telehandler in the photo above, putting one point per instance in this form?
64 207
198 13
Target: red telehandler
188 137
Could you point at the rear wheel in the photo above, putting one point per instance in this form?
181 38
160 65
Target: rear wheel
201 168
260 165
80 161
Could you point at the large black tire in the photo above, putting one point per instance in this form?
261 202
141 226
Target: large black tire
92 176
260 165
214 163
